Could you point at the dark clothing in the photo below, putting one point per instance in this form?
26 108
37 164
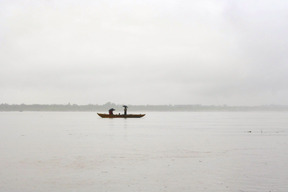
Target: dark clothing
125 109
111 111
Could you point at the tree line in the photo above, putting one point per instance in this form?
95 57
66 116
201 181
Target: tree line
119 108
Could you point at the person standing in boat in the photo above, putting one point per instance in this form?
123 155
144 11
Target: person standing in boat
125 109
111 111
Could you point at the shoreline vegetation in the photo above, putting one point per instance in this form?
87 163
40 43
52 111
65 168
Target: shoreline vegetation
96 108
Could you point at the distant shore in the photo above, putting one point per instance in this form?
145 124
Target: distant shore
118 107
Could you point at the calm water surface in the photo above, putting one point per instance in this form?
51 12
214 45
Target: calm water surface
169 152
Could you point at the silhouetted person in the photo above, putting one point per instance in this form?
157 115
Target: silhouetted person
125 109
111 111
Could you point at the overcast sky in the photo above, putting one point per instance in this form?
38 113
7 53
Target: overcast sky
144 52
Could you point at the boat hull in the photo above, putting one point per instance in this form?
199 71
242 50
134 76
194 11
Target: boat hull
103 115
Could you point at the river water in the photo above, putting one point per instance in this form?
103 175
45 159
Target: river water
162 152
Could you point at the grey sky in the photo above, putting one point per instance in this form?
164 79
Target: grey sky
144 52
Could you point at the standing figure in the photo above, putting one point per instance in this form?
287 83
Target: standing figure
111 111
125 109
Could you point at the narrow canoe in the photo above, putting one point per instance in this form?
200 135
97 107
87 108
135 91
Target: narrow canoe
103 115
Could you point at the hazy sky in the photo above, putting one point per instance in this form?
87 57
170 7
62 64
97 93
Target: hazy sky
144 51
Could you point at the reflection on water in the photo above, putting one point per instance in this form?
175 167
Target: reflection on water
206 151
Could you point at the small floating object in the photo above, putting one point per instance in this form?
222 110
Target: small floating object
104 115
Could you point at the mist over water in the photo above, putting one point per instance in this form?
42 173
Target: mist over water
175 151
152 55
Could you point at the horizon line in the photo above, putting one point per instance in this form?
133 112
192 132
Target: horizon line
111 103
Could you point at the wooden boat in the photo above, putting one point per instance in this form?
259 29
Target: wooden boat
104 115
